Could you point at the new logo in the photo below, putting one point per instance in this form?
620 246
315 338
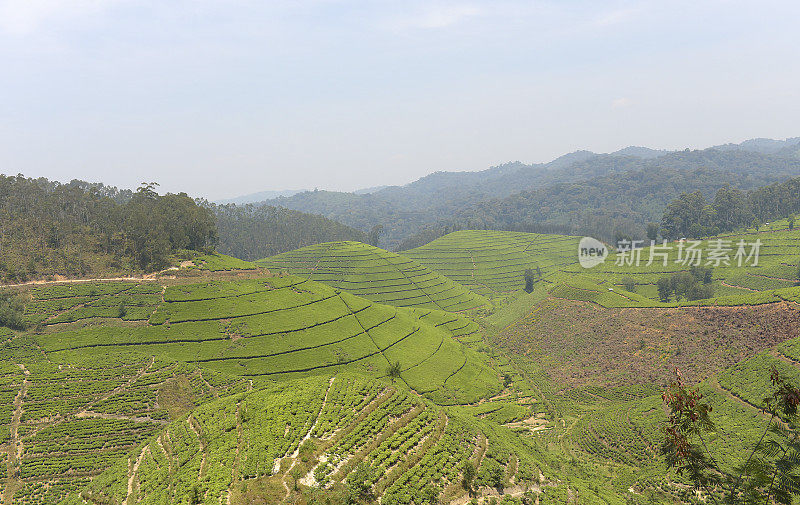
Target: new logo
591 252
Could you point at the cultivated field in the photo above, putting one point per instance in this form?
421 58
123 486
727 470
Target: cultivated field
494 262
377 275
224 383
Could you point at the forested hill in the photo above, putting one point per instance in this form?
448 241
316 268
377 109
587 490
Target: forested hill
253 232
404 211
618 203
81 229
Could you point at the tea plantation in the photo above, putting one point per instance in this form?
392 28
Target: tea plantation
492 262
364 375
377 275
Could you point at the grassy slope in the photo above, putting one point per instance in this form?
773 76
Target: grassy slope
594 370
596 433
72 416
235 445
376 275
282 327
493 262
105 380
733 285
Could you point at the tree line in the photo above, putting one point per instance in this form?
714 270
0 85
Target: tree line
79 229
690 215
252 232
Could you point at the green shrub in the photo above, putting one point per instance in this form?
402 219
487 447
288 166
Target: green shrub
12 310
664 289
629 284
393 370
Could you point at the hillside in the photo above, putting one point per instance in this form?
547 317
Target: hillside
377 275
222 382
255 446
604 206
779 254
81 229
49 229
493 263
437 198
275 328
69 416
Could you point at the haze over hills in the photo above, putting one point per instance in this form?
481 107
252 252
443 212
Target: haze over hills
259 196
405 210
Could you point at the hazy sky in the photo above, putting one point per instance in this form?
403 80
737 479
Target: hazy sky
221 98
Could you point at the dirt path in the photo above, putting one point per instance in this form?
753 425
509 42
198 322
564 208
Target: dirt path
474 266
239 442
117 417
122 387
196 428
15 447
307 436
132 477
738 287
146 277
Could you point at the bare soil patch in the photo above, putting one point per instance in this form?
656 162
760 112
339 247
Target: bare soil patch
581 343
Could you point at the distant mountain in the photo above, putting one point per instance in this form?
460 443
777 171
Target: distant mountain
641 152
364 191
259 197
405 210
787 147
618 201
764 146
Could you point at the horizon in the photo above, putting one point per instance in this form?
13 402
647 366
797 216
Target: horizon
665 151
242 194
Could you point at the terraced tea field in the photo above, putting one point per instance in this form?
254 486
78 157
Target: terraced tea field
776 269
316 432
97 378
66 418
494 262
224 384
68 303
377 275
283 327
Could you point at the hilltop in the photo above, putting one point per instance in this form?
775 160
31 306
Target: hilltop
378 275
494 263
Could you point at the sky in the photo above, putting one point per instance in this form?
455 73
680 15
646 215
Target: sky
220 98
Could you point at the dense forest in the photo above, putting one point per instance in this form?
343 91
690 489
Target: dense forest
253 232
434 200
80 229
691 215
605 207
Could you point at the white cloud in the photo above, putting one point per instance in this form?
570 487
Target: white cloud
436 16
621 103
616 17
22 17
